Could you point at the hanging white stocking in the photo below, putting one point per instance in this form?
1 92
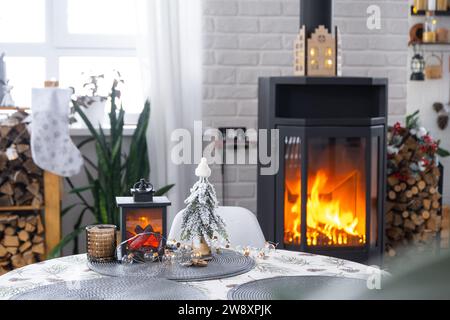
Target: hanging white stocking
51 146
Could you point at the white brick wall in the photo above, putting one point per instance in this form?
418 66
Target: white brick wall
247 39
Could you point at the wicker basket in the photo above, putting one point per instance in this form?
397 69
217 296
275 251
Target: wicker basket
433 67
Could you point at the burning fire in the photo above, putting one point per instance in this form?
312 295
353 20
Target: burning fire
331 214
150 230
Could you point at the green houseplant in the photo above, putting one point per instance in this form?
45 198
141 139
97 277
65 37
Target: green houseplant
113 174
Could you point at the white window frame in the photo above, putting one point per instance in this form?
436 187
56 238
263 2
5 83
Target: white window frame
59 43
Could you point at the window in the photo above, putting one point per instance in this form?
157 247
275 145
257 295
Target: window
69 40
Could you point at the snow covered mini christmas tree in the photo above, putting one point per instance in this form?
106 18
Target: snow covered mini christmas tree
200 221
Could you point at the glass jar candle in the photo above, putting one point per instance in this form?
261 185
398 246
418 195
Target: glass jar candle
429 28
432 5
420 5
441 5
101 242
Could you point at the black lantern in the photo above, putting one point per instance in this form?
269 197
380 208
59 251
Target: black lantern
142 191
417 66
143 223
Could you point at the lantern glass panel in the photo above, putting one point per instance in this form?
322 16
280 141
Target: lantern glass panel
138 220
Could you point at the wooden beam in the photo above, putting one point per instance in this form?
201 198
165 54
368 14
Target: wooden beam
52 200
52 213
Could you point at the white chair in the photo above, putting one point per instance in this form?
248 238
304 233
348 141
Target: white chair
241 224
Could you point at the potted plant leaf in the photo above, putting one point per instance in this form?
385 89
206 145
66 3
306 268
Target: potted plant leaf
91 100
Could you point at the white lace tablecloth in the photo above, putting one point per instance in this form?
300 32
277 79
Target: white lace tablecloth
280 263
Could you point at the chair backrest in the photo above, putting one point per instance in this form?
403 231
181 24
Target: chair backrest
241 224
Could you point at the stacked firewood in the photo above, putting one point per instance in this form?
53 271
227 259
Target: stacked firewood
21 241
413 215
21 180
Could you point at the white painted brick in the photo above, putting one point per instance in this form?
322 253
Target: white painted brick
351 9
287 71
235 92
240 190
397 26
291 8
260 8
220 41
247 173
251 75
354 71
277 59
395 76
387 43
364 59
219 75
248 108
398 76
395 9
208 58
208 92
279 25
397 92
208 25
397 59
354 43
357 26
230 174
219 108
260 42
220 8
208 41
288 41
237 58
397 107
236 24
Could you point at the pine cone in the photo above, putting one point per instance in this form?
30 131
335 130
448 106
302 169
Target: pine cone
442 121
438 107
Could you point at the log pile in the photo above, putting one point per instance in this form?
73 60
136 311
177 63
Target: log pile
21 241
21 181
413 212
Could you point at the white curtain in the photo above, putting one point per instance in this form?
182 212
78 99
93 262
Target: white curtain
169 47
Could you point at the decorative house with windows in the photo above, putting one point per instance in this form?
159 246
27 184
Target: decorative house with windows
317 52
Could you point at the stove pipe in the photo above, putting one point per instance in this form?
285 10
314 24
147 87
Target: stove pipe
314 13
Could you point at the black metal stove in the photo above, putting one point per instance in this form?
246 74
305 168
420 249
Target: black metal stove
328 195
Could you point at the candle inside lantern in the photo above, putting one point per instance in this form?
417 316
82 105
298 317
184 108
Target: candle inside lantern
101 242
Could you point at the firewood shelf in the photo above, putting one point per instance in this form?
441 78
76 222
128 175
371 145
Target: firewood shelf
20 208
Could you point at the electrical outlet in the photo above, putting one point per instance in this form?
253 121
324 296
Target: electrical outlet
235 136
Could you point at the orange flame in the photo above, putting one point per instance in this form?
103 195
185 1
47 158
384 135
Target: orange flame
330 220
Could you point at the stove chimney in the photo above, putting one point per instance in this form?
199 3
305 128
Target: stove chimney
317 48
314 13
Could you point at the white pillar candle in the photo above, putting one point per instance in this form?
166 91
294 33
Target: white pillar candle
432 5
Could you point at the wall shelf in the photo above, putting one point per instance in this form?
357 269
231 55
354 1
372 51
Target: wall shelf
433 47
430 44
423 13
